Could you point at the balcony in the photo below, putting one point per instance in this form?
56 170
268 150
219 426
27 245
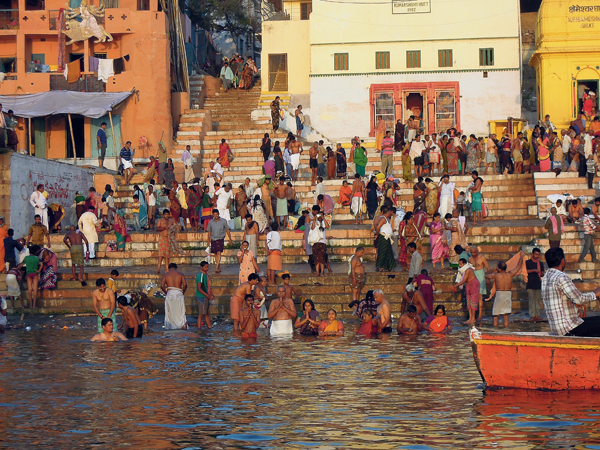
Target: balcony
9 19
88 83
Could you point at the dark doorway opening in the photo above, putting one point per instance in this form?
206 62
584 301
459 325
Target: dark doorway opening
78 136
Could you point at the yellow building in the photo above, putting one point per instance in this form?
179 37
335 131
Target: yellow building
567 57
348 62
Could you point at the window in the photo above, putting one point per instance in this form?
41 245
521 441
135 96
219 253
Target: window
445 110
385 108
444 58
305 10
413 59
340 61
382 60
486 56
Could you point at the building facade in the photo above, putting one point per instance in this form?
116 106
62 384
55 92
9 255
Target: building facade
31 51
353 61
566 58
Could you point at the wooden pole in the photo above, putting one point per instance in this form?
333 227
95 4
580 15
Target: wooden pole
72 140
29 132
112 129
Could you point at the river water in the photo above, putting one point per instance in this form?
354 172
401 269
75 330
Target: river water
215 391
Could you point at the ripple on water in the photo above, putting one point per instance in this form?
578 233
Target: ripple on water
217 392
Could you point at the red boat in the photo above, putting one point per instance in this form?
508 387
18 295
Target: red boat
536 360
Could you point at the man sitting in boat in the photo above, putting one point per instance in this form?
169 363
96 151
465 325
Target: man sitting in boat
561 298
504 280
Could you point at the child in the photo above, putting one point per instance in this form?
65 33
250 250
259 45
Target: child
301 222
32 272
136 212
130 319
591 170
460 203
204 295
112 281
289 290
151 201
439 322
370 326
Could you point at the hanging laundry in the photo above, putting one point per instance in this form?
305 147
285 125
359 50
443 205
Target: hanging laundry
94 64
119 65
61 40
105 69
66 72
126 58
73 71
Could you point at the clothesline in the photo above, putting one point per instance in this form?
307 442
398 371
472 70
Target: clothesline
106 68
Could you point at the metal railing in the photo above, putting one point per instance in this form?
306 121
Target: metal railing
9 19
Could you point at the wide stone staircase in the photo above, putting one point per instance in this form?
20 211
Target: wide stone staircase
547 183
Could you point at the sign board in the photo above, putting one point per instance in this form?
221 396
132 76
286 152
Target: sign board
411 6
585 16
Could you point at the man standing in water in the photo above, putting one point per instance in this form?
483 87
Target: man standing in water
174 285
282 312
503 279
134 329
480 266
104 303
237 300
74 240
249 318
107 334
384 314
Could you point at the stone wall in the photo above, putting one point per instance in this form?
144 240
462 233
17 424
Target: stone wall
60 180
5 187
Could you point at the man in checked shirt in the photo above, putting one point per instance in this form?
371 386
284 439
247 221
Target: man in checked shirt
560 298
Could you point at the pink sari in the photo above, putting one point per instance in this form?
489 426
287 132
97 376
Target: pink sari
544 155
439 248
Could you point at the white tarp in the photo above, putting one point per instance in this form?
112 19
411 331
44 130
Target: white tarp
89 104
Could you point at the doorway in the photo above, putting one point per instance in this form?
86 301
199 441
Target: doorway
78 136
584 86
38 137
95 125
415 106
278 76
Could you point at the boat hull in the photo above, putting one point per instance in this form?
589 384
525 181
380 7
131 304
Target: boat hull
536 361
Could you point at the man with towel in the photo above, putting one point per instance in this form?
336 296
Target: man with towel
282 312
273 252
282 202
174 285
104 303
480 266
296 150
74 240
503 299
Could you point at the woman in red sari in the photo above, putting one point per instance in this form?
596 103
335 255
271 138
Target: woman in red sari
195 207
224 151
452 156
175 206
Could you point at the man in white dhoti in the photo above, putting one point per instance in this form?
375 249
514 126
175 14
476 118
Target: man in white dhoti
446 188
39 203
188 170
127 160
88 225
174 285
504 280
282 312
295 150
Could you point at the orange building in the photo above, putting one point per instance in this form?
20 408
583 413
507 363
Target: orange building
30 51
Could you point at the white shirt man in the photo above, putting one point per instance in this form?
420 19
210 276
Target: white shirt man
219 169
224 195
416 148
39 203
566 143
87 225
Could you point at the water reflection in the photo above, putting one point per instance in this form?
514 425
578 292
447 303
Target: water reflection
216 391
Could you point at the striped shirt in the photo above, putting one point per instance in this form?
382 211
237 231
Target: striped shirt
589 227
387 146
126 154
560 298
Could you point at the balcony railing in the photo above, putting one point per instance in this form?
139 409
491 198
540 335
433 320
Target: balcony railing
9 19
87 83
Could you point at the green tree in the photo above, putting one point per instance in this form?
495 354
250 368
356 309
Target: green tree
221 15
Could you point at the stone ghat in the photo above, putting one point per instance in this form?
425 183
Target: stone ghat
329 291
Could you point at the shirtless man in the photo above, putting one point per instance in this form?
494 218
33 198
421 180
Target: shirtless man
174 285
282 312
358 197
410 323
595 209
265 195
104 302
357 277
481 266
237 300
249 318
164 247
296 150
517 146
472 290
251 234
282 202
314 166
74 241
575 211
107 334
414 297
384 313
503 279
291 198
135 329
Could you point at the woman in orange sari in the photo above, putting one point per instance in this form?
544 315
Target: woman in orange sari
175 206
224 151
544 154
331 326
